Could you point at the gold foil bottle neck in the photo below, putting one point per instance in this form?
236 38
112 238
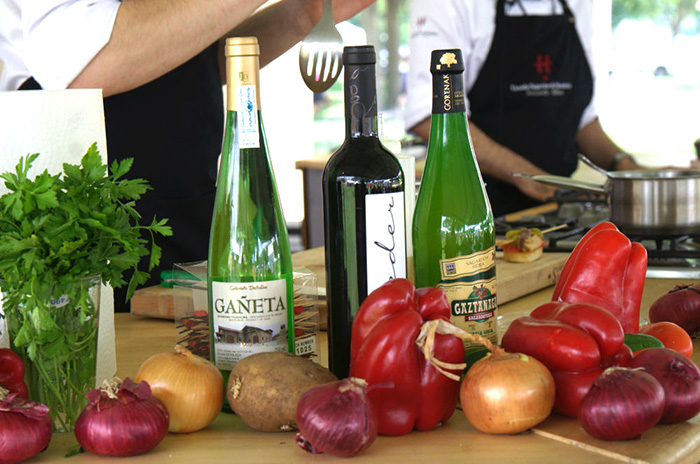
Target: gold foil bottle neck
242 68
242 46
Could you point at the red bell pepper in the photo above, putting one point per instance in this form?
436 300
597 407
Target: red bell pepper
410 392
575 341
12 373
605 269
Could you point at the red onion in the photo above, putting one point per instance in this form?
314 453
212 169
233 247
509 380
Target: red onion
621 404
680 379
122 419
25 428
336 418
681 305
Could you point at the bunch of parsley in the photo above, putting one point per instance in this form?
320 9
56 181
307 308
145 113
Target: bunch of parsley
58 234
56 229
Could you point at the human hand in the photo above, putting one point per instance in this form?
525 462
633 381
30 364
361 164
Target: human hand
533 189
346 9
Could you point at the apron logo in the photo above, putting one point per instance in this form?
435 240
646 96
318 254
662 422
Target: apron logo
543 66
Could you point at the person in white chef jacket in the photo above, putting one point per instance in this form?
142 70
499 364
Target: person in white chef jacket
159 64
529 89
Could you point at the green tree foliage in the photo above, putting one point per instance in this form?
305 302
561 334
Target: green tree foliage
669 12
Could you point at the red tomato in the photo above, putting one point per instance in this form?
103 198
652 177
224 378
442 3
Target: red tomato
671 335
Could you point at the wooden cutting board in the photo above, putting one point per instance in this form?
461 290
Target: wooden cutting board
513 281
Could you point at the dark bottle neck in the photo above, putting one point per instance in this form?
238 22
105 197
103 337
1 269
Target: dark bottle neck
448 93
360 101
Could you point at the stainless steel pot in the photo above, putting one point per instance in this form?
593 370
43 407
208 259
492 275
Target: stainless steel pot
644 202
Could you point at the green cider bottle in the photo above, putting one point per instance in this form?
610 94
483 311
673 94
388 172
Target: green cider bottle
249 279
454 239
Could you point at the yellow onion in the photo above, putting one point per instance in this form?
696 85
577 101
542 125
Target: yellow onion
191 387
507 393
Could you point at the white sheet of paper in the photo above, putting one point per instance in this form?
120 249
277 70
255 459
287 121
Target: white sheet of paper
60 125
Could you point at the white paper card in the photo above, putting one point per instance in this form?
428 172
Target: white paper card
60 125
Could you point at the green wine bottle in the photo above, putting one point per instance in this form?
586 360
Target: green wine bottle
250 265
454 238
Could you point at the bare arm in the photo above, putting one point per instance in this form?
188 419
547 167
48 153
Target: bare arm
498 161
597 146
152 37
281 25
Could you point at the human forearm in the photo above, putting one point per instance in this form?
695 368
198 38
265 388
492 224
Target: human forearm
498 161
277 32
153 37
596 145
150 38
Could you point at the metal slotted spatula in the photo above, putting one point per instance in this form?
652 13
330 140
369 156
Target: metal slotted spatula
321 53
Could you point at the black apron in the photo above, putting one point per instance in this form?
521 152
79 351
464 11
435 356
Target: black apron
530 95
172 127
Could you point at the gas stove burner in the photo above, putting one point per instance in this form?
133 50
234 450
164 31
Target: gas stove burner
669 256
665 250
564 195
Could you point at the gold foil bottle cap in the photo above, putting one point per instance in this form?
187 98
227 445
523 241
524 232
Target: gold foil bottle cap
242 46
446 61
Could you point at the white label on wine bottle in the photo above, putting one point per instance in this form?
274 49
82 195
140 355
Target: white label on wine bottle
247 117
248 318
385 229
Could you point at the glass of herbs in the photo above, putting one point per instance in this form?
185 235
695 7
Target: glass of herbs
61 237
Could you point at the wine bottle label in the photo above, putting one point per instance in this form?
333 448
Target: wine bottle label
448 94
469 282
385 238
247 117
248 318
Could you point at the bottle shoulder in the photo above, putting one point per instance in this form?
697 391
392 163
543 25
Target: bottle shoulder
363 157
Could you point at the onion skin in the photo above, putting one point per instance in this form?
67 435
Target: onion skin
336 418
507 393
681 305
131 423
680 379
622 404
25 428
191 387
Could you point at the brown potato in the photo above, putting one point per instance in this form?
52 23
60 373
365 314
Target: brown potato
264 389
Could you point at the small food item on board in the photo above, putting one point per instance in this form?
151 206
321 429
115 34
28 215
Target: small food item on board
264 388
522 245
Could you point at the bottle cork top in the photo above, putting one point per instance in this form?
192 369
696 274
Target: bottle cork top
446 61
359 54
242 46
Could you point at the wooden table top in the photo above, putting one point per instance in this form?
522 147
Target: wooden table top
555 440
